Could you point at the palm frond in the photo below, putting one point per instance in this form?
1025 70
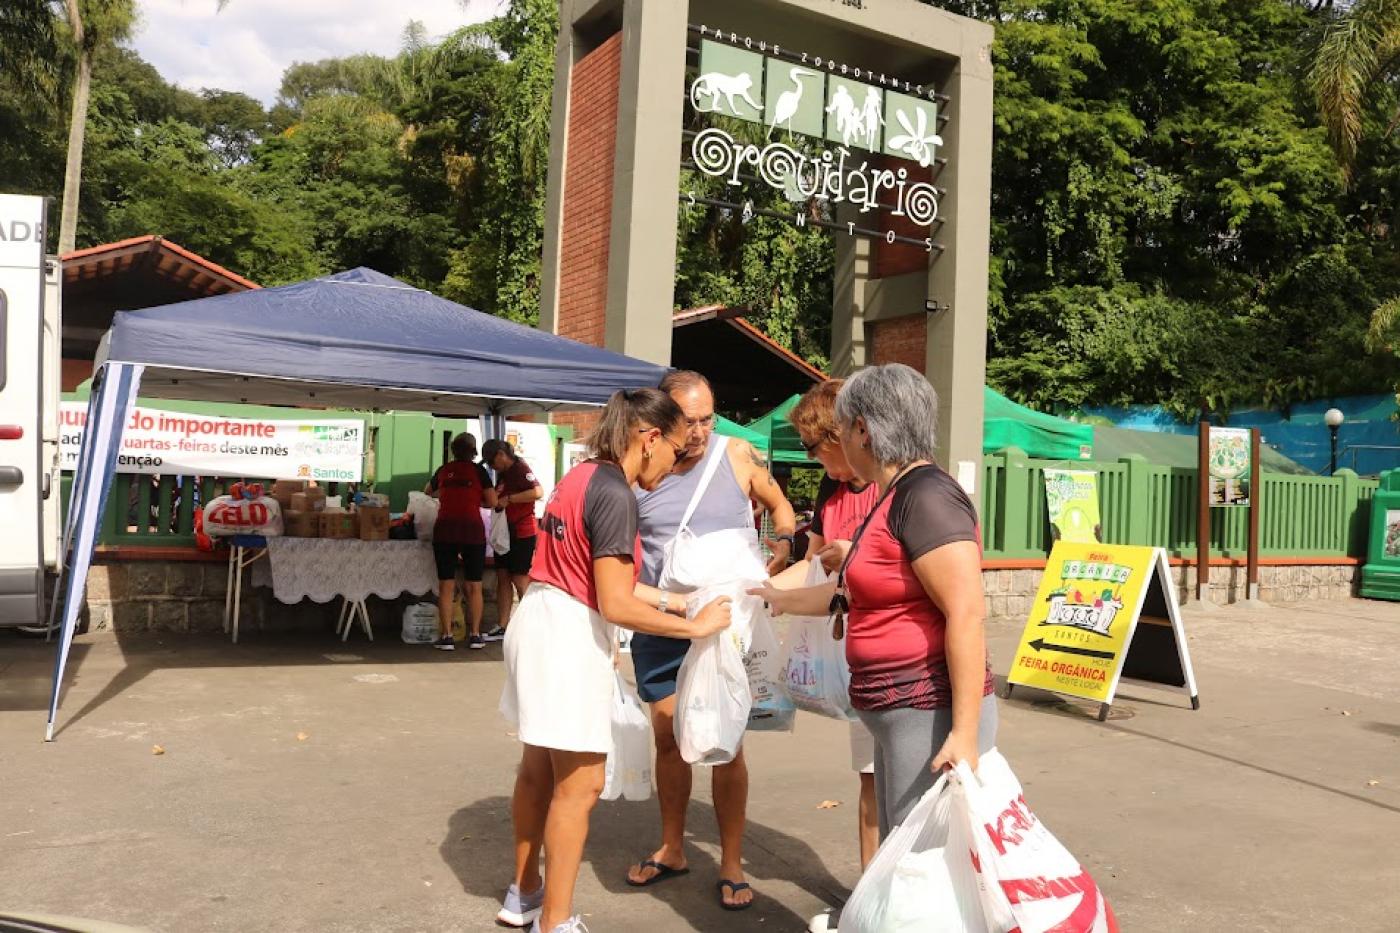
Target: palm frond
1383 336
1349 59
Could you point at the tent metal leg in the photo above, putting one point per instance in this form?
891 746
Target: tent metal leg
364 619
228 590
237 594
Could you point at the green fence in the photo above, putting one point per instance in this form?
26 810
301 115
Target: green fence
1143 503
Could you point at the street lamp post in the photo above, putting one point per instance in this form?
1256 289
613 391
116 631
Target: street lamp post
1333 419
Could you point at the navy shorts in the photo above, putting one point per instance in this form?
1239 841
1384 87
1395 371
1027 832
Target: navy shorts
655 660
518 559
471 557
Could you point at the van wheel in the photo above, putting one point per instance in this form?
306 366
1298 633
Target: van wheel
32 631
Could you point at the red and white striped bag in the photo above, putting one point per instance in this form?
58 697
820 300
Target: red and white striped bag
1028 881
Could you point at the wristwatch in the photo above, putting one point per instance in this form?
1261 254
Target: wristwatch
661 603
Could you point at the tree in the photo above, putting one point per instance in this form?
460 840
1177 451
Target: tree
1357 55
233 123
29 49
92 23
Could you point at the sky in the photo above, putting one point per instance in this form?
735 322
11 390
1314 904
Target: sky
247 46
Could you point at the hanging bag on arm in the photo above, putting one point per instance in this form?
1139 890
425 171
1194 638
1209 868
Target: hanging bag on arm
500 533
817 676
690 561
922 878
713 697
628 768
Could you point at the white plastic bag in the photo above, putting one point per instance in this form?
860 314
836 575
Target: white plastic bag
712 692
420 624
424 509
817 676
771 710
1028 879
226 516
921 879
500 533
629 763
690 561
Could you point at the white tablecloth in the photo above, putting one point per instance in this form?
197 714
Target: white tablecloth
321 569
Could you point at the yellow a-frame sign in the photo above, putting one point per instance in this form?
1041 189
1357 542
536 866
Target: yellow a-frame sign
1104 612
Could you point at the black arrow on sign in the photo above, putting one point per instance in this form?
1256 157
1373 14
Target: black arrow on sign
1040 644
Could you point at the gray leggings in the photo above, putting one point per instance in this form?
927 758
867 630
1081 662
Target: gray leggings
905 742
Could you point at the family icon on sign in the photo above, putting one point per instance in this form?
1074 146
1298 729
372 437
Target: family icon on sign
858 124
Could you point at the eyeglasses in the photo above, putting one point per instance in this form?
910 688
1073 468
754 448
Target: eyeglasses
706 422
812 447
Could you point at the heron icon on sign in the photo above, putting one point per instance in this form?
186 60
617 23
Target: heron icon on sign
788 102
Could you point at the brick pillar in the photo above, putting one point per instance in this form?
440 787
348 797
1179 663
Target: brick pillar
588 194
900 340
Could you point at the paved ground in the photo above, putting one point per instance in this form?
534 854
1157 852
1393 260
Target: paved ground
306 785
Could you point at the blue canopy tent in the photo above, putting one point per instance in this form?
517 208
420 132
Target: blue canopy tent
357 339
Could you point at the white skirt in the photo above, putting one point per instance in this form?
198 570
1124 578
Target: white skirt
559 673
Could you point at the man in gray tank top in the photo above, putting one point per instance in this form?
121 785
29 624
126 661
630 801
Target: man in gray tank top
741 477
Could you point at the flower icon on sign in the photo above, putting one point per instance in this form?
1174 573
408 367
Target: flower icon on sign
917 142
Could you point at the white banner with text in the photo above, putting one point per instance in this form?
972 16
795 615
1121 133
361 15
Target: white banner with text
184 443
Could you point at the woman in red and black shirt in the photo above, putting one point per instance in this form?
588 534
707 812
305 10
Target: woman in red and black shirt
462 488
913 582
843 501
558 648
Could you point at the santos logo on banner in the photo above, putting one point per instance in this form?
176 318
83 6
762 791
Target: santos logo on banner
182 443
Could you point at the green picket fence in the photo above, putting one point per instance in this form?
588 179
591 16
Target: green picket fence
1144 503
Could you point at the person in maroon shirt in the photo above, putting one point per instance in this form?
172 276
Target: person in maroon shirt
912 590
517 491
559 647
843 501
462 489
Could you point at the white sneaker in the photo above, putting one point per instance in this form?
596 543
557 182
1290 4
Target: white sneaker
519 910
824 922
572 925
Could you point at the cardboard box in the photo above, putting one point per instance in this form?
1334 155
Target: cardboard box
301 524
374 523
337 523
284 489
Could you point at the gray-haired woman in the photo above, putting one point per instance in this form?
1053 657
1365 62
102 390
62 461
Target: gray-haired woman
911 585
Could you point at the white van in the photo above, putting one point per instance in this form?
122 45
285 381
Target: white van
30 327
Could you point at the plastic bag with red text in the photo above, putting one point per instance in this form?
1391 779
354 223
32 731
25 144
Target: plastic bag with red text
1029 882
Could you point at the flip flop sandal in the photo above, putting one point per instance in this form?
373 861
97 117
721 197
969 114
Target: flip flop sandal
663 873
734 888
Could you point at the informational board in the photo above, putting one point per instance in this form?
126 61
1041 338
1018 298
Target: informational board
574 454
1072 501
175 443
1392 533
1229 466
1104 612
